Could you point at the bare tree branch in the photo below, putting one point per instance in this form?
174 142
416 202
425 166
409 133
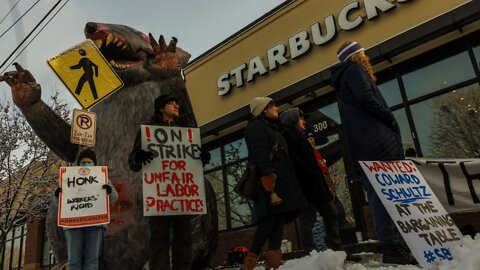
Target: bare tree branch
28 170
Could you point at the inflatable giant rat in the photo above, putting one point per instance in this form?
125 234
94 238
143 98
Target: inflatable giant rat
148 69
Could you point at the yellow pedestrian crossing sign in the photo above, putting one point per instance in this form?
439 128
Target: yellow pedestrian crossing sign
85 73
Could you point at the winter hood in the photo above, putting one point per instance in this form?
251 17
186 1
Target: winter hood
337 72
289 118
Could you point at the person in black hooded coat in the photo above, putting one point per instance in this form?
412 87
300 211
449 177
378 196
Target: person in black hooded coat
312 183
268 150
373 134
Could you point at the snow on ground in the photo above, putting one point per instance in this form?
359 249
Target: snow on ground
466 257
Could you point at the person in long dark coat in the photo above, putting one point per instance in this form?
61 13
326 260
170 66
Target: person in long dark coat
373 134
166 112
268 150
312 183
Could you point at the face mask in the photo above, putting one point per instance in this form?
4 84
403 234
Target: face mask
87 164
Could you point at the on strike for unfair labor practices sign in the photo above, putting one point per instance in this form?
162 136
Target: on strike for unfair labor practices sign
86 73
83 202
173 181
427 228
84 127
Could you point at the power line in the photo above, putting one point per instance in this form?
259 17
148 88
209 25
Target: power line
29 34
41 29
10 11
34 4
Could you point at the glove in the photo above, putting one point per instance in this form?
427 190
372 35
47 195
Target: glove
144 157
108 188
57 191
394 126
268 182
205 157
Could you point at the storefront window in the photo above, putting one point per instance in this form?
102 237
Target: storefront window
401 117
337 172
48 258
216 180
442 74
215 160
235 150
240 208
391 92
14 249
447 125
476 51
332 112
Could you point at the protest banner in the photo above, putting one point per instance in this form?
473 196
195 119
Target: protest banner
425 225
173 181
455 182
83 201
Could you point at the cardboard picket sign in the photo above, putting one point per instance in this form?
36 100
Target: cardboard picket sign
419 216
83 201
173 180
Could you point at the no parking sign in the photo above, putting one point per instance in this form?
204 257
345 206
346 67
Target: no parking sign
84 126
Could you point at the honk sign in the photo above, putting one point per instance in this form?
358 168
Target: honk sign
83 201
173 180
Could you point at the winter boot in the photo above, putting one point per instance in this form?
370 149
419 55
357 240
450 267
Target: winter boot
273 258
250 261
397 254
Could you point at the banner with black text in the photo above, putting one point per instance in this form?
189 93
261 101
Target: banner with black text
83 201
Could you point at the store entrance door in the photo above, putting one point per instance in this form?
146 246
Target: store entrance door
323 120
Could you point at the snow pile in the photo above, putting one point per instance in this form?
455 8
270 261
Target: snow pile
466 257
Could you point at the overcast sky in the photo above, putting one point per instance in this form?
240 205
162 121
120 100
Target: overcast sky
198 24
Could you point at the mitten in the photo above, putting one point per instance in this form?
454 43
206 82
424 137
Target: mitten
268 181
57 191
205 157
108 188
144 157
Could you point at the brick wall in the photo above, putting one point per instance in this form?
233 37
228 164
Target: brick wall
33 245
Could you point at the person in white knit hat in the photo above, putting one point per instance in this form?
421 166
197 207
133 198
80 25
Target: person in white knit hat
268 151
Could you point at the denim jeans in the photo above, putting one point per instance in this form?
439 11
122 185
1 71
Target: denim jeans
384 226
83 245
306 221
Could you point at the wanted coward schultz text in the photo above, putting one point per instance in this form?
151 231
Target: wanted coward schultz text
425 225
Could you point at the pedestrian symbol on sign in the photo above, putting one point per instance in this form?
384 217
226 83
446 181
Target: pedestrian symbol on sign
86 73
89 69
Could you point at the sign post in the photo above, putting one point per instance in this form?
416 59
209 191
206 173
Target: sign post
173 181
83 202
426 227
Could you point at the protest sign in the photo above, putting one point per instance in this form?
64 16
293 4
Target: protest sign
173 181
83 202
423 222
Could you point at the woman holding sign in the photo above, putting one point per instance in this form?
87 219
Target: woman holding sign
373 134
268 150
166 112
83 244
